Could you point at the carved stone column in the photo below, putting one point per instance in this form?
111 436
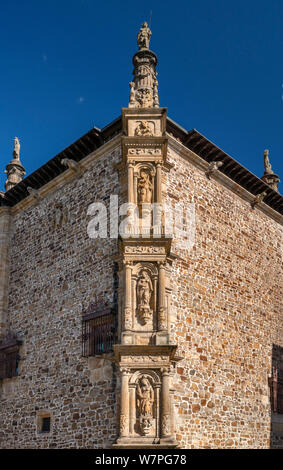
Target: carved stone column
132 417
161 298
124 413
131 197
5 221
159 182
128 297
165 404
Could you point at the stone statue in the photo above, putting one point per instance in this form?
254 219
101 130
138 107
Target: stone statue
132 93
144 188
267 165
16 152
60 215
155 94
269 176
145 397
144 293
143 37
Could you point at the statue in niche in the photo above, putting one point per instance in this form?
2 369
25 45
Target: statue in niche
144 188
60 214
144 293
145 400
143 36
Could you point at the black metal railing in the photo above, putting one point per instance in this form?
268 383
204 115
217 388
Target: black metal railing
98 330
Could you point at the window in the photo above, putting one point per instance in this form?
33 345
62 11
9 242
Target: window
99 326
45 424
9 356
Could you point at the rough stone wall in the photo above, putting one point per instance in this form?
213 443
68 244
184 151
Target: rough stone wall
55 274
225 315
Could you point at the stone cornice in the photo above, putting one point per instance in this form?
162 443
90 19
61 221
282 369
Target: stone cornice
224 180
67 176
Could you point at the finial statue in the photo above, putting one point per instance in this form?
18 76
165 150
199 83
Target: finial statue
267 165
14 170
144 36
269 176
16 152
144 86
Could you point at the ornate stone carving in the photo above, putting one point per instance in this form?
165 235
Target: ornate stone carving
145 249
165 425
143 129
144 93
144 98
132 93
144 359
144 151
128 318
123 424
155 94
144 293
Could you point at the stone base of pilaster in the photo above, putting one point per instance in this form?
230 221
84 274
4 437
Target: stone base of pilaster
145 443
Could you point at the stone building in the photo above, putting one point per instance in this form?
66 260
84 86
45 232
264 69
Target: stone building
167 333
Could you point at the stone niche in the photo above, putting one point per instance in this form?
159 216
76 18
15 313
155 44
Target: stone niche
146 405
146 305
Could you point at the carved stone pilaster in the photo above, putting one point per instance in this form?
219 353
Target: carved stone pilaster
162 323
128 297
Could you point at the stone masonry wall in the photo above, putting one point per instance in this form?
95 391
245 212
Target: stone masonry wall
225 315
55 274
225 318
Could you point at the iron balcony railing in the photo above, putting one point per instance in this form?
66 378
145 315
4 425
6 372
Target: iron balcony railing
9 357
98 330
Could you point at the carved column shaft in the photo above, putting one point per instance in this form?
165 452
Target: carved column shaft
161 298
159 183
165 405
124 413
128 297
132 409
131 197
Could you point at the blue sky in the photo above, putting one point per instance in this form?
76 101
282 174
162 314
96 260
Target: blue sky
66 65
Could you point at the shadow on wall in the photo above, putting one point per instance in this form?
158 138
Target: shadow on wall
276 396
